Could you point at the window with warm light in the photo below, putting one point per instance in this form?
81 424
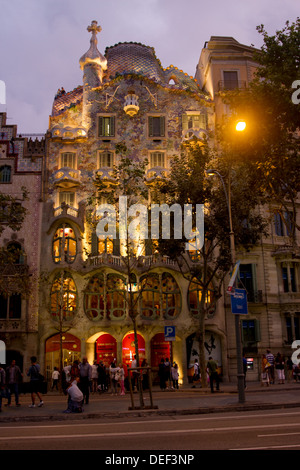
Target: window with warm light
64 245
94 296
157 159
68 160
115 298
63 298
195 296
106 126
105 160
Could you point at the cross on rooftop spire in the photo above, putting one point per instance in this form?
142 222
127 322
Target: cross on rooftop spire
94 28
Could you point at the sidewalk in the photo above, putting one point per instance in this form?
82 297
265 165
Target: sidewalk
186 400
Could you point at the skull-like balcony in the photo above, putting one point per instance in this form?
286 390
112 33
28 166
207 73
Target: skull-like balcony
67 177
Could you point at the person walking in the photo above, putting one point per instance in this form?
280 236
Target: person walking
55 378
85 376
265 366
14 377
33 372
212 367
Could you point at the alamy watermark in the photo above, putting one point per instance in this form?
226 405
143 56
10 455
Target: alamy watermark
296 94
138 222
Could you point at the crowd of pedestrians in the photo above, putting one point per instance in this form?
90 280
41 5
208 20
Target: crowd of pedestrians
278 369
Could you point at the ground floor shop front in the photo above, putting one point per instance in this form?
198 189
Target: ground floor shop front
107 347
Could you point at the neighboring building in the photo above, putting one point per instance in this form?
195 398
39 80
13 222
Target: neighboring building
21 162
270 272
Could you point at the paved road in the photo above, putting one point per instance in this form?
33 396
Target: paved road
178 435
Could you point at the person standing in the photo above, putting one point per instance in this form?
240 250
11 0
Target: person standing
289 367
94 377
161 374
13 379
175 375
33 372
121 374
2 385
279 366
212 367
85 376
270 358
55 378
102 383
113 371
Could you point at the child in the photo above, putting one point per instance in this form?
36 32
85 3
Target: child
75 399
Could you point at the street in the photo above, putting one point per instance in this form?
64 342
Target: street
255 430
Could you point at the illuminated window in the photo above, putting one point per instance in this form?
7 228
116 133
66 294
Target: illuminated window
157 159
106 160
195 297
68 159
94 299
64 247
106 126
150 304
63 298
115 297
171 297
67 197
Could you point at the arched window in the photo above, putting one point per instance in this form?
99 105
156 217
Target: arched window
195 296
94 298
160 295
63 298
115 297
64 246
150 299
5 174
171 297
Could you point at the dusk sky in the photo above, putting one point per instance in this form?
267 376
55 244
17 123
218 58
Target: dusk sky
43 40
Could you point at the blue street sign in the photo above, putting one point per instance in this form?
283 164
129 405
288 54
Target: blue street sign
239 303
169 333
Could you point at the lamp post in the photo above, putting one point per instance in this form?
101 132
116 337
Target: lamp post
239 357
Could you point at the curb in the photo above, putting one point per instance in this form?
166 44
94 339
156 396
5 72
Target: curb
151 412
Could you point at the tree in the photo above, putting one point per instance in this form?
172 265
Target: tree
271 144
127 181
187 183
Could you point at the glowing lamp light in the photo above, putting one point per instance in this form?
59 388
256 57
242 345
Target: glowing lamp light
240 126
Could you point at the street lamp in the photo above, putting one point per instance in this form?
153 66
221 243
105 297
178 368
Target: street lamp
240 371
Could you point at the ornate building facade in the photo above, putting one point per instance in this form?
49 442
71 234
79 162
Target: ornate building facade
127 99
